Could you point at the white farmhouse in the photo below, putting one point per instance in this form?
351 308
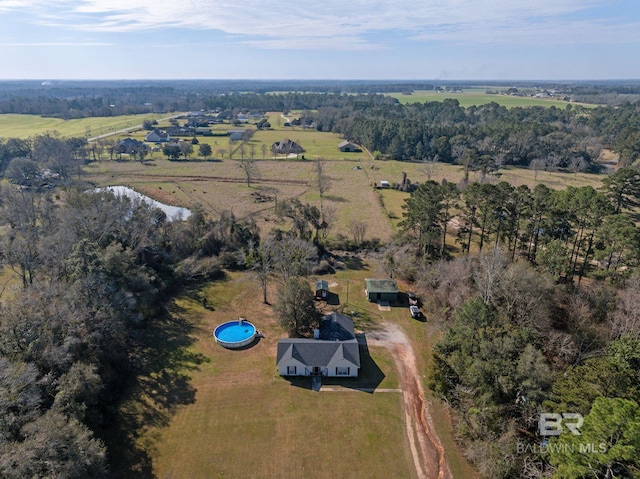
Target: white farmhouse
333 353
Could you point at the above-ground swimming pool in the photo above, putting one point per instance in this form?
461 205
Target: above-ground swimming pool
235 334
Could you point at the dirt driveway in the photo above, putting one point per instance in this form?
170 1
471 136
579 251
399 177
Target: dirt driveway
426 449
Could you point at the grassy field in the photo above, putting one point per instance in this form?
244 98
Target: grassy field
24 126
212 412
246 421
220 185
475 97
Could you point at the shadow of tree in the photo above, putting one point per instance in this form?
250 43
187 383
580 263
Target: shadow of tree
333 299
159 384
353 263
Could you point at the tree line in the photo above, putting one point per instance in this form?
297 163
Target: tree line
489 136
521 335
568 233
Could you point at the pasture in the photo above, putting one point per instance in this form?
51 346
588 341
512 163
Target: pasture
219 185
476 97
24 126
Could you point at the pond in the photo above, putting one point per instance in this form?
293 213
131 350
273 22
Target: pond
172 212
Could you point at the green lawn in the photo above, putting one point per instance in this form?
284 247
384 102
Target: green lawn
203 411
246 421
315 143
24 126
475 97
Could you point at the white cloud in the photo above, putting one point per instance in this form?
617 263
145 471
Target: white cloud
336 24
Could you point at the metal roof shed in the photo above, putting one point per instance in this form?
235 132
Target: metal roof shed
385 289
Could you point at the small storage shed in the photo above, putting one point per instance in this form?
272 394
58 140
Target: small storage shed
322 289
381 289
349 147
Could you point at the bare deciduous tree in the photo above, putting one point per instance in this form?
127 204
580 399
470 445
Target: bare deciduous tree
357 229
490 273
250 169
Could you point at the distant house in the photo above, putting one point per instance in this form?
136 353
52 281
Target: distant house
201 121
322 289
349 147
285 147
236 135
128 145
334 352
203 131
157 136
180 131
381 289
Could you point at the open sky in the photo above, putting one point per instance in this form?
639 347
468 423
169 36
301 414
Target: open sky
320 39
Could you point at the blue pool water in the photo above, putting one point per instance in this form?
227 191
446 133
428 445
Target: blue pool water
234 331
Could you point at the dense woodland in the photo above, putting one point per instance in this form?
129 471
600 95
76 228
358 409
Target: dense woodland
536 290
490 136
95 271
523 334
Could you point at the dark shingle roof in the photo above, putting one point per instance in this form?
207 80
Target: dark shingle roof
315 352
336 327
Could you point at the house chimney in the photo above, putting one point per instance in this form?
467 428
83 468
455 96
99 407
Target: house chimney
316 333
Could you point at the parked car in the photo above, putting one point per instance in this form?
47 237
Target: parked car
415 311
413 300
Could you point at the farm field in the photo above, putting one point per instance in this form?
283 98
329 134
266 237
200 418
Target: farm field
24 126
219 185
476 97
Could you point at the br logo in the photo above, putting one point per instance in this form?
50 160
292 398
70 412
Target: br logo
551 423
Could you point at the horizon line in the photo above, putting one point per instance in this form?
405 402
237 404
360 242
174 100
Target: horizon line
403 80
